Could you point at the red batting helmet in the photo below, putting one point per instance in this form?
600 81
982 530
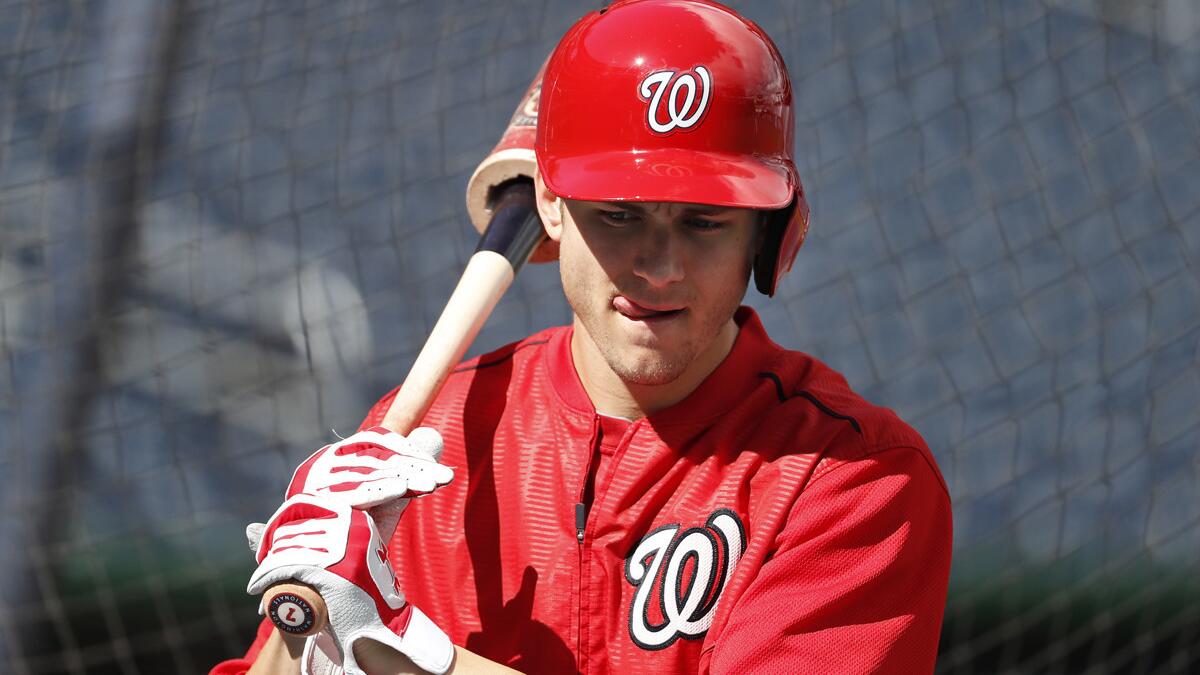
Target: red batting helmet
675 101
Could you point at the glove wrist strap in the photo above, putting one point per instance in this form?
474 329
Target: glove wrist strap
426 644
412 634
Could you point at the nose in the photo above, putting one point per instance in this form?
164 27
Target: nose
659 258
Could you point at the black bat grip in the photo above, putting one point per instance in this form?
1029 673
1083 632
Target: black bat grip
515 229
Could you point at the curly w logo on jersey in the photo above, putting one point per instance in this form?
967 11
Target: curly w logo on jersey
678 578
679 114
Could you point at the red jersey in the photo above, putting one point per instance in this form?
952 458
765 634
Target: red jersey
772 521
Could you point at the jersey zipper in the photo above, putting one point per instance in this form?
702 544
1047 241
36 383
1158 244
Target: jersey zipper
580 521
582 505
581 514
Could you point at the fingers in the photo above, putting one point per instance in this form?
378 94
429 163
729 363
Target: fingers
267 575
407 477
420 469
426 441
254 533
369 492
375 466
423 475
422 442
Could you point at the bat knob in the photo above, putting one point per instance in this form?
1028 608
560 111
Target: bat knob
295 609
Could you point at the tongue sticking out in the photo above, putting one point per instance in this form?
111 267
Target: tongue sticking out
631 309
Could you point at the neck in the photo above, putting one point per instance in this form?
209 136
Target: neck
616 397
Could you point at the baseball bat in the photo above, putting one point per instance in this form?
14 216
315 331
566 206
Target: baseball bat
501 204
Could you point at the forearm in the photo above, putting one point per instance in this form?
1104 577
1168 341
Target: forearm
379 659
279 656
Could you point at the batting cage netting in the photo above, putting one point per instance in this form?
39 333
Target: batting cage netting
226 228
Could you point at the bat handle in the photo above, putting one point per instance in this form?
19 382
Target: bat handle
296 609
514 230
512 234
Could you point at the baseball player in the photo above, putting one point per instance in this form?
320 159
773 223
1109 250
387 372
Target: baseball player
657 487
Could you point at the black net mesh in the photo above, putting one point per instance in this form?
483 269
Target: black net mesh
226 228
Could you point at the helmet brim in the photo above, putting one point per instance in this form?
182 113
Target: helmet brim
671 175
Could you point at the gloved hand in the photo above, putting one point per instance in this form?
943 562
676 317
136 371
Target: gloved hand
376 469
323 542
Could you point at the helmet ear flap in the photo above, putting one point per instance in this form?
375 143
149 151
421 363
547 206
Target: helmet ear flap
766 261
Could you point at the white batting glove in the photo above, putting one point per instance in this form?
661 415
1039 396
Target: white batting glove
336 549
376 469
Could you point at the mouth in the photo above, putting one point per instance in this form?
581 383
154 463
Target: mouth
648 313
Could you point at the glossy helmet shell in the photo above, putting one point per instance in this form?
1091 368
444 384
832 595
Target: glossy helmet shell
675 101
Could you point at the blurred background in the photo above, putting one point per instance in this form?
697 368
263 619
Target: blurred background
226 227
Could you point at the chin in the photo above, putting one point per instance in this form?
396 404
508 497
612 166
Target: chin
647 378
647 372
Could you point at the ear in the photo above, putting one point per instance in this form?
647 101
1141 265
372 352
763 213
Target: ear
549 207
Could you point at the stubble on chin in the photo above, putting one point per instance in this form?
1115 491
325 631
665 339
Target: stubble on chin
637 365
633 364
655 369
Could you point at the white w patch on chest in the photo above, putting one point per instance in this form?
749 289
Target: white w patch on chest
678 578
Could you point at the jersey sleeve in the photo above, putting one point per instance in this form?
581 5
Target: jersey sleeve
858 580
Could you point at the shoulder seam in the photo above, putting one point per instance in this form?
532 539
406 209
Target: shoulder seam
480 365
808 396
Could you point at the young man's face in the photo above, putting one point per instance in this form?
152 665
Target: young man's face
654 285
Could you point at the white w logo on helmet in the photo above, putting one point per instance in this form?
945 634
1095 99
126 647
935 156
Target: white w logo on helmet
680 115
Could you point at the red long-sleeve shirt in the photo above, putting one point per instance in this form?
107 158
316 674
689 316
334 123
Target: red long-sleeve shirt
773 521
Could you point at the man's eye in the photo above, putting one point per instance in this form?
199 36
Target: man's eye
704 223
617 216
